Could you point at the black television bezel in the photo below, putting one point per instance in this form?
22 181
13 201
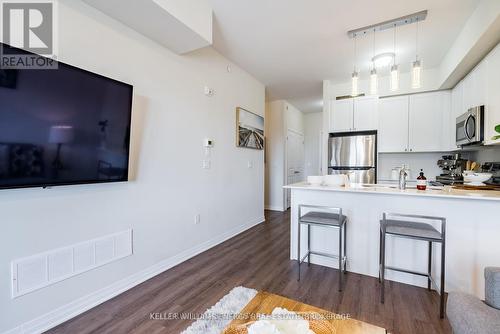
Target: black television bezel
81 182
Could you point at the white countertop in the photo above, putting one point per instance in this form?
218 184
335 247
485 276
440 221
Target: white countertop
391 189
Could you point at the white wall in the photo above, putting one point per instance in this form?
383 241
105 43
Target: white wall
281 116
294 118
313 123
416 161
171 116
479 34
486 154
275 155
196 14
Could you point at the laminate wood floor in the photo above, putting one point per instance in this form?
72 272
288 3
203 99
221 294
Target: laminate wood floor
259 259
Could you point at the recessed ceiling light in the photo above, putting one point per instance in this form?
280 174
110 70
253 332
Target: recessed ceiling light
383 59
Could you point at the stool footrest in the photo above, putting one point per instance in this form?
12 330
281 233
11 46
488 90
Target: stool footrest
407 271
415 273
332 256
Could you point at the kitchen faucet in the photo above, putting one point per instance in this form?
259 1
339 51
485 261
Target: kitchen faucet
402 177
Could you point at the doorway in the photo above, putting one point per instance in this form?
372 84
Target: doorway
294 161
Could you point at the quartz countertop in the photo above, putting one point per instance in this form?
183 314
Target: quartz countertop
391 189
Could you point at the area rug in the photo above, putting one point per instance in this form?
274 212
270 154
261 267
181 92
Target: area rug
216 318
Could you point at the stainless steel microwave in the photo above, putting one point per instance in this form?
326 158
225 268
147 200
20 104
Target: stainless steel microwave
470 127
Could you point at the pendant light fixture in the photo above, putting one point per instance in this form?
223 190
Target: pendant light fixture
373 72
355 74
416 66
394 68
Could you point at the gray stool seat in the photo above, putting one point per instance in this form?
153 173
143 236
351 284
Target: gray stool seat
410 229
328 217
323 218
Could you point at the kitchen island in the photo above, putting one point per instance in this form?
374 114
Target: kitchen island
472 231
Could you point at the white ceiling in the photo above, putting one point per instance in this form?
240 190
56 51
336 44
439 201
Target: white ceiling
293 45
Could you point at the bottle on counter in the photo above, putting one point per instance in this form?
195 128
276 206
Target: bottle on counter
421 181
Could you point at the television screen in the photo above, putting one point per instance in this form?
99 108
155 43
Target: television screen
62 126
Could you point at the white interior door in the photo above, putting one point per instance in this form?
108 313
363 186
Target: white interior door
294 160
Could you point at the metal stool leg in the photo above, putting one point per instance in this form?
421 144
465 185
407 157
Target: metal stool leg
340 258
441 307
308 245
298 248
429 267
382 270
345 247
379 255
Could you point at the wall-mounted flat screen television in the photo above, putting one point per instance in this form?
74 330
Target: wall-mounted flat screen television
62 126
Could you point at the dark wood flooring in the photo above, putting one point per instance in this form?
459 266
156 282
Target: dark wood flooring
259 259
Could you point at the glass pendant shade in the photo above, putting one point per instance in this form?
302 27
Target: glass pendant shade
373 82
394 78
415 74
354 90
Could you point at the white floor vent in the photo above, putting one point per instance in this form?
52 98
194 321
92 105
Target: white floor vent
40 270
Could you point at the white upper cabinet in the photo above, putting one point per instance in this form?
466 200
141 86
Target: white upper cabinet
474 87
393 124
354 114
457 109
341 115
457 101
427 114
366 113
492 112
415 123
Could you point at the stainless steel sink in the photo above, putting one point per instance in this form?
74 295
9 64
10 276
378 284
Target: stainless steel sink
379 186
395 186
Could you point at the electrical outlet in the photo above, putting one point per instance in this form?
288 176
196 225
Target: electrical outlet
197 219
205 164
250 164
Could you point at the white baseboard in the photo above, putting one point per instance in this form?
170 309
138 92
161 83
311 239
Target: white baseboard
70 310
274 208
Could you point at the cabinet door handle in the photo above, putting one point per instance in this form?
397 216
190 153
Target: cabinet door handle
411 150
406 150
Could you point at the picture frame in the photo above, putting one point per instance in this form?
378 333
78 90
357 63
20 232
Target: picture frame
249 129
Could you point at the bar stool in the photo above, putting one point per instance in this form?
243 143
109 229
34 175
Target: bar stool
404 226
332 218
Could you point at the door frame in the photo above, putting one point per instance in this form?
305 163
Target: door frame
285 175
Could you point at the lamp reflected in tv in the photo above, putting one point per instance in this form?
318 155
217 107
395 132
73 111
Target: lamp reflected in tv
60 134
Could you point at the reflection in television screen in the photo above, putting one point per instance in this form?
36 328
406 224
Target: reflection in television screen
62 126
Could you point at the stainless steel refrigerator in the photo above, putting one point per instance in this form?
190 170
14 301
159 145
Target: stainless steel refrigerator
354 154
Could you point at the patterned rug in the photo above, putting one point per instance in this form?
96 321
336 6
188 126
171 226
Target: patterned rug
216 318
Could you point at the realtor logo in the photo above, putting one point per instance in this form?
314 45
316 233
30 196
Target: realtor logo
28 25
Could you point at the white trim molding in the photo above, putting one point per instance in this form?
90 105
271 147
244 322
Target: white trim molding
274 208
